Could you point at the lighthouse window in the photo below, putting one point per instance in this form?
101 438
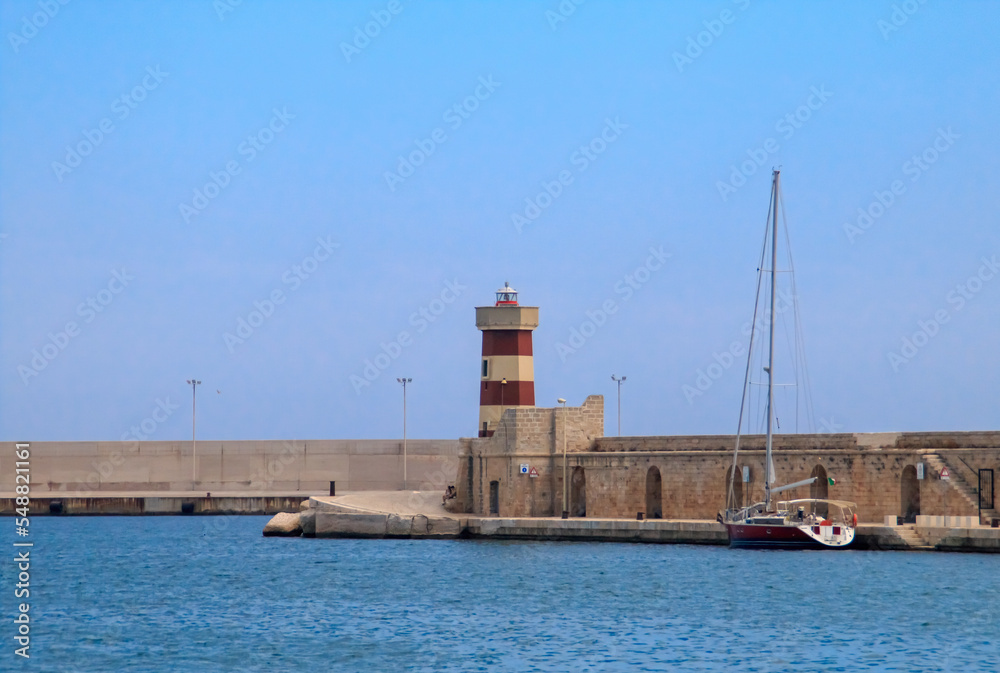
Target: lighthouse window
486 367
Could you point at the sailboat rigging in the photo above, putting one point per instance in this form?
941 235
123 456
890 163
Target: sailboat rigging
806 522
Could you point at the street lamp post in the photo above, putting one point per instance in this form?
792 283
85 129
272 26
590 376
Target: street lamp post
194 446
619 382
565 510
404 382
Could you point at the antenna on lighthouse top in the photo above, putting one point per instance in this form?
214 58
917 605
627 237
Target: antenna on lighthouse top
506 296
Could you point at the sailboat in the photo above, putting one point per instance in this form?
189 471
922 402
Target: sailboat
799 523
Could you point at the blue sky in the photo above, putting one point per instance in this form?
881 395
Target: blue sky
182 166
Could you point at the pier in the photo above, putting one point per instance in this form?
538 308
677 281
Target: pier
421 515
131 503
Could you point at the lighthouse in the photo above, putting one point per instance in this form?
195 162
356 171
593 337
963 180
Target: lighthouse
507 371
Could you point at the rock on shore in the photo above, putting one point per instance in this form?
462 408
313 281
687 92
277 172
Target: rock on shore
283 524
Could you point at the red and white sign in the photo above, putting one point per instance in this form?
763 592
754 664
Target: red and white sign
533 472
945 474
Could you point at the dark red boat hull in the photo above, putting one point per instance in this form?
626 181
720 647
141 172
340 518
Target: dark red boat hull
772 536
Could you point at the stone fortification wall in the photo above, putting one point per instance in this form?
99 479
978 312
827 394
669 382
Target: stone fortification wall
530 437
722 443
306 466
872 440
687 477
694 484
532 429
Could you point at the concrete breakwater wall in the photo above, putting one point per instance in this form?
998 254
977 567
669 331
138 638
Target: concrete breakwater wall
332 518
82 469
168 504
419 526
329 518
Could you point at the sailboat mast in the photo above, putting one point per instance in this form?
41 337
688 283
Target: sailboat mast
770 354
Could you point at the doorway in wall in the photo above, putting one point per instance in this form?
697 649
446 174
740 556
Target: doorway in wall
654 493
578 492
909 494
737 501
820 489
494 497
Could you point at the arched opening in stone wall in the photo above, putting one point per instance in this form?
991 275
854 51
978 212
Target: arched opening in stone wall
820 489
578 492
737 501
654 493
494 497
909 494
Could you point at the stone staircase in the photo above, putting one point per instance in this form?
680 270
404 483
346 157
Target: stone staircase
911 537
969 493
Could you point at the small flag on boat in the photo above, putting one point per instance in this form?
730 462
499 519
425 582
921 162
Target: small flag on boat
831 481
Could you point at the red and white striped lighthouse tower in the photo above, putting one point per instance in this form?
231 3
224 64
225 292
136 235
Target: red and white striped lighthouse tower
507 371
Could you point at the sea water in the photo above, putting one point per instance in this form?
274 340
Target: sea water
211 594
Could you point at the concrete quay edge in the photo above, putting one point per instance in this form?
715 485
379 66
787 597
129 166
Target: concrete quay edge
144 505
379 525
597 530
326 519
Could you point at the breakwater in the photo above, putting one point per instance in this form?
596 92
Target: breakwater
337 517
155 468
167 504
